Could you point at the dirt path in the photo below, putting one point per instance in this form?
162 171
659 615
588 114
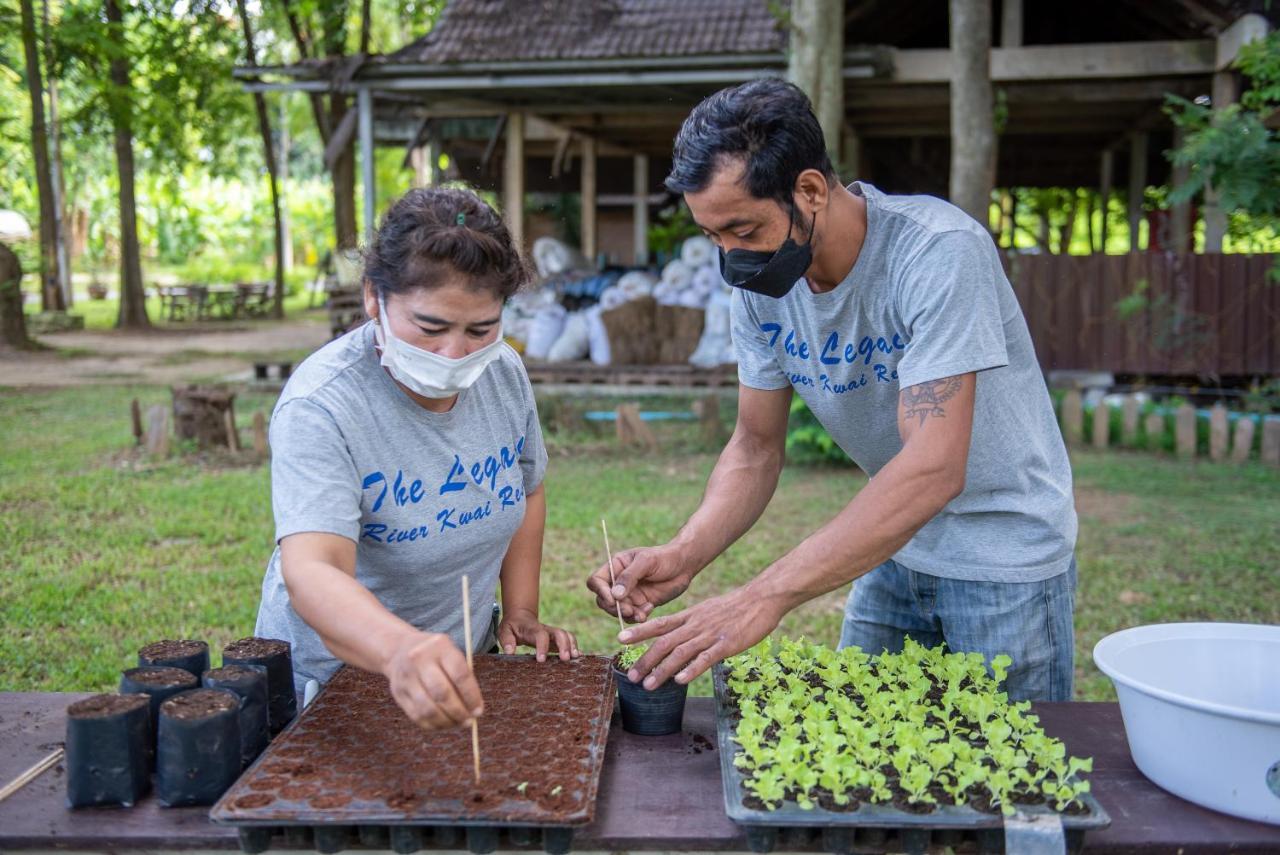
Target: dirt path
163 356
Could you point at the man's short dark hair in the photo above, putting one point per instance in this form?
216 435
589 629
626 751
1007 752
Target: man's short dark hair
767 123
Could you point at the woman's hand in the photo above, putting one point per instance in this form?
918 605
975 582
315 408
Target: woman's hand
432 683
523 627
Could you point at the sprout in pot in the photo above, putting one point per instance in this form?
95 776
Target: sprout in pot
647 712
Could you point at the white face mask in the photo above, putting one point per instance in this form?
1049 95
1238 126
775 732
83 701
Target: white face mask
430 374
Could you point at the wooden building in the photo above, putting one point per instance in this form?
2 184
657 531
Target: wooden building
583 97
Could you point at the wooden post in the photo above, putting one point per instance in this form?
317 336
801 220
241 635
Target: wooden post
813 62
135 415
1155 431
1242 441
851 153
513 179
1271 441
420 158
707 409
973 133
640 206
1101 425
233 436
364 106
157 444
1137 185
1131 412
1225 92
1073 417
1104 196
590 243
1184 431
260 445
1180 215
1011 23
631 429
1219 432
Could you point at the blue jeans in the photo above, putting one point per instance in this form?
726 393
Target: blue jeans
1029 621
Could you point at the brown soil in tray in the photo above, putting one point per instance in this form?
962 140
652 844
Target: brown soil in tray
199 703
162 676
353 757
170 649
254 648
102 706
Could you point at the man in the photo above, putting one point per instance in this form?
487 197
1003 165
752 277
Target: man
892 318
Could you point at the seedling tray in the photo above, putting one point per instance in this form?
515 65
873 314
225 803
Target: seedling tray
353 767
870 827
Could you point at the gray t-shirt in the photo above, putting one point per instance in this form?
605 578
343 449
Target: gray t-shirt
425 496
927 299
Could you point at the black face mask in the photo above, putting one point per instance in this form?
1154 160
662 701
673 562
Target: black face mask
772 274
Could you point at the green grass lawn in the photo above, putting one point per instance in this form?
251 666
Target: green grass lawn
103 552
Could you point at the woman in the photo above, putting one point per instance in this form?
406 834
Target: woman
406 454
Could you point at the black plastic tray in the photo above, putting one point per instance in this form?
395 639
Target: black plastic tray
870 826
295 825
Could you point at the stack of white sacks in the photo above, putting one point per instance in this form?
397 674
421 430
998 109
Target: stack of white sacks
693 280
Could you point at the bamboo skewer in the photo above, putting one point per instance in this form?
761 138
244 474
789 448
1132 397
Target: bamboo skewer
609 552
31 774
466 634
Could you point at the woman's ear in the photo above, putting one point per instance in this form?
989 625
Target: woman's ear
370 300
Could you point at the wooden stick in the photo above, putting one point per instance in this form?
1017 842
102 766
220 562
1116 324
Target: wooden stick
31 774
609 552
466 634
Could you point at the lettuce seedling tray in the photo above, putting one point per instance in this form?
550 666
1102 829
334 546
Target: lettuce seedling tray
878 827
352 767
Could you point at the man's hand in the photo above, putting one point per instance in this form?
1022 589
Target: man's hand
643 579
522 627
431 682
687 643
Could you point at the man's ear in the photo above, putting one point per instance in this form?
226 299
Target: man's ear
812 190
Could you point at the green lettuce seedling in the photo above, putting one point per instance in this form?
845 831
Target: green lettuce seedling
629 656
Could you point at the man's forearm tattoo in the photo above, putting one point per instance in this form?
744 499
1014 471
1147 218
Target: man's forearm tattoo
926 399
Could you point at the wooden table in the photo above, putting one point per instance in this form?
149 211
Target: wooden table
657 793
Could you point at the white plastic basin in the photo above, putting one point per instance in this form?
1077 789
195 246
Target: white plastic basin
1201 707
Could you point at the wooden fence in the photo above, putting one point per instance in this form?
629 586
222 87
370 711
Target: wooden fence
1152 313
1233 436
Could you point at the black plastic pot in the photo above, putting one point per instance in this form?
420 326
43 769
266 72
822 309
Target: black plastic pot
160 683
198 752
277 658
108 737
250 683
188 655
650 713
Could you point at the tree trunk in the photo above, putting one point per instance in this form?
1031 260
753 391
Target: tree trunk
816 63
344 181
269 154
973 134
344 169
56 174
133 300
50 293
282 164
1068 229
13 326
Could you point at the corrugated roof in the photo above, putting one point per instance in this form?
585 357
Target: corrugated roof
514 30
